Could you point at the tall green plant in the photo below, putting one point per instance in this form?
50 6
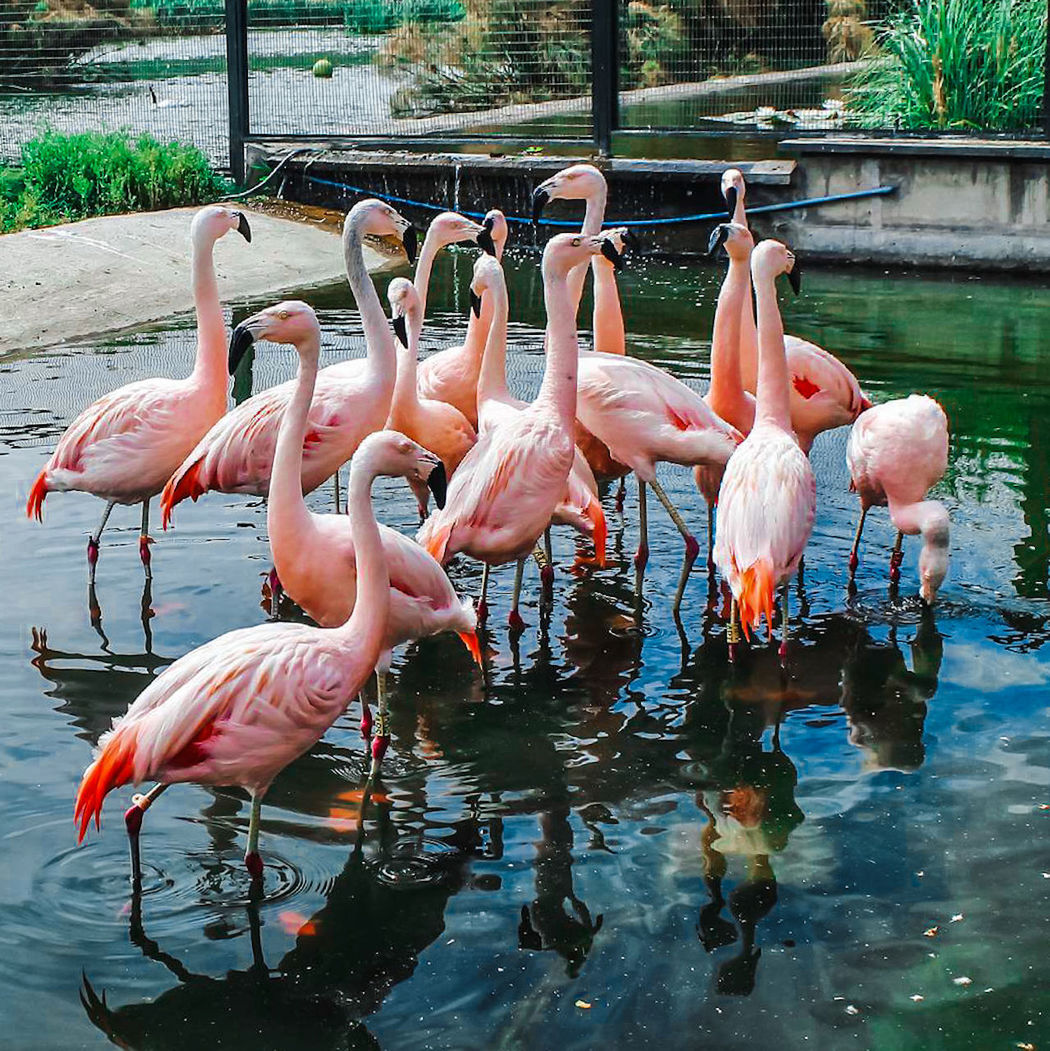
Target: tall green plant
955 64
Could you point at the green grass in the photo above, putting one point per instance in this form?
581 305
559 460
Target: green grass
962 65
63 178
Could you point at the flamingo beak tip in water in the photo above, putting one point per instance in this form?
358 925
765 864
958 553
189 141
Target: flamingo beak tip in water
610 253
401 330
731 197
795 277
484 239
539 198
243 228
410 240
437 483
719 235
475 303
240 342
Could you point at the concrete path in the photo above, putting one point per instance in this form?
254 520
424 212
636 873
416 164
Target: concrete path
65 283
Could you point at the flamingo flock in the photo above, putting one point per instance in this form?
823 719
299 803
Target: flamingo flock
502 472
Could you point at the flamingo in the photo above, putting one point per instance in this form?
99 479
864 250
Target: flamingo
240 708
446 229
824 394
452 375
768 497
351 399
581 508
507 487
897 452
436 425
124 446
315 556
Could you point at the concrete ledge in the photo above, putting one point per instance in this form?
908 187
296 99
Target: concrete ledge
946 147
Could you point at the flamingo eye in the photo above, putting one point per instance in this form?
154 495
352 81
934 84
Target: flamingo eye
576 242
282 314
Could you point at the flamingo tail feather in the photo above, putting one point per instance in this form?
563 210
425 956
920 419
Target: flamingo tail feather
187 484
470 640
37 495
756 598
601 531
114 767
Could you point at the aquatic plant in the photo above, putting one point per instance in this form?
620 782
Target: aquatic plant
955 64
63 178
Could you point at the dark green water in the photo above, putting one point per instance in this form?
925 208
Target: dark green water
706 857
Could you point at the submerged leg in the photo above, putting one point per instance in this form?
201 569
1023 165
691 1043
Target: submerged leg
145 540
896 557
547 572
252 860
92 548
641 556
692 548
854 561
382 738
335 490
711 536
785 625
514 619
133 823
483 606
733 635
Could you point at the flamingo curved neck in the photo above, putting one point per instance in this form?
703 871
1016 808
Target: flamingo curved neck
559 375
379 341
425 264
772 401
478 329
593 217
727 396
210 365
927 517
492 379
406 392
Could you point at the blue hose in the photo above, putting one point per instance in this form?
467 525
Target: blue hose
809 202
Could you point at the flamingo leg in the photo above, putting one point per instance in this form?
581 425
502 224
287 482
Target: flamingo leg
92 548
366 719
896 557
335 490
621 492
275 594
133 823
547 571
854 561
252 859
382 736
145 540
483 606
711 536
785 625
514 619
641 556
733 635
692 548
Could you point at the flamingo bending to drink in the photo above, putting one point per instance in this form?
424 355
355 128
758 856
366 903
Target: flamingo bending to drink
124 446
768 497
897 452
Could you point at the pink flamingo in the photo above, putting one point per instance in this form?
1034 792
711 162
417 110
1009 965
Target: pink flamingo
351 399
452 375
768 497
581 508
240 708
897 452
314 555
824 394
436 425
506 489
124 446
446 229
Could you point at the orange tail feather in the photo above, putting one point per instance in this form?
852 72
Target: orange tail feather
470 640
188 484
756 596
113 768
601 531
438 542
35 503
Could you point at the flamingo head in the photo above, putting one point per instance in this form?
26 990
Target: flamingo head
451 228
216 220
933 559
392 454
404 308
494 236
488 275
771 259
578 182
733 189
292 321
563 252
378 219
736 240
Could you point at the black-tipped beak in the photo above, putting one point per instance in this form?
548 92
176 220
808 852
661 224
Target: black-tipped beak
484 239
243 228
610 253
410 241
240 342
795 277
437 483
731 198
401 330
475 303
719 236
540 197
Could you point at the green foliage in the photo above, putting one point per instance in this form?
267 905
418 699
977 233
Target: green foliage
955 65
656 45
63 178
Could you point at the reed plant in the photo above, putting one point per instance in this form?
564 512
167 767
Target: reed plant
962 65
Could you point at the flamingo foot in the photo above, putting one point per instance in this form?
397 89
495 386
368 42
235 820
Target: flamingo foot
733 648
380 743
514 621
144 553
854 561
783 651
895 566
641 556
366 722
547 577
692 550
253 862
133 819
92 552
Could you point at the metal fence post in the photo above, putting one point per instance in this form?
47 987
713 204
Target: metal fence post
237 82
605 72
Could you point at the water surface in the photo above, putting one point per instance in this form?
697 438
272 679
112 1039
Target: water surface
616 839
